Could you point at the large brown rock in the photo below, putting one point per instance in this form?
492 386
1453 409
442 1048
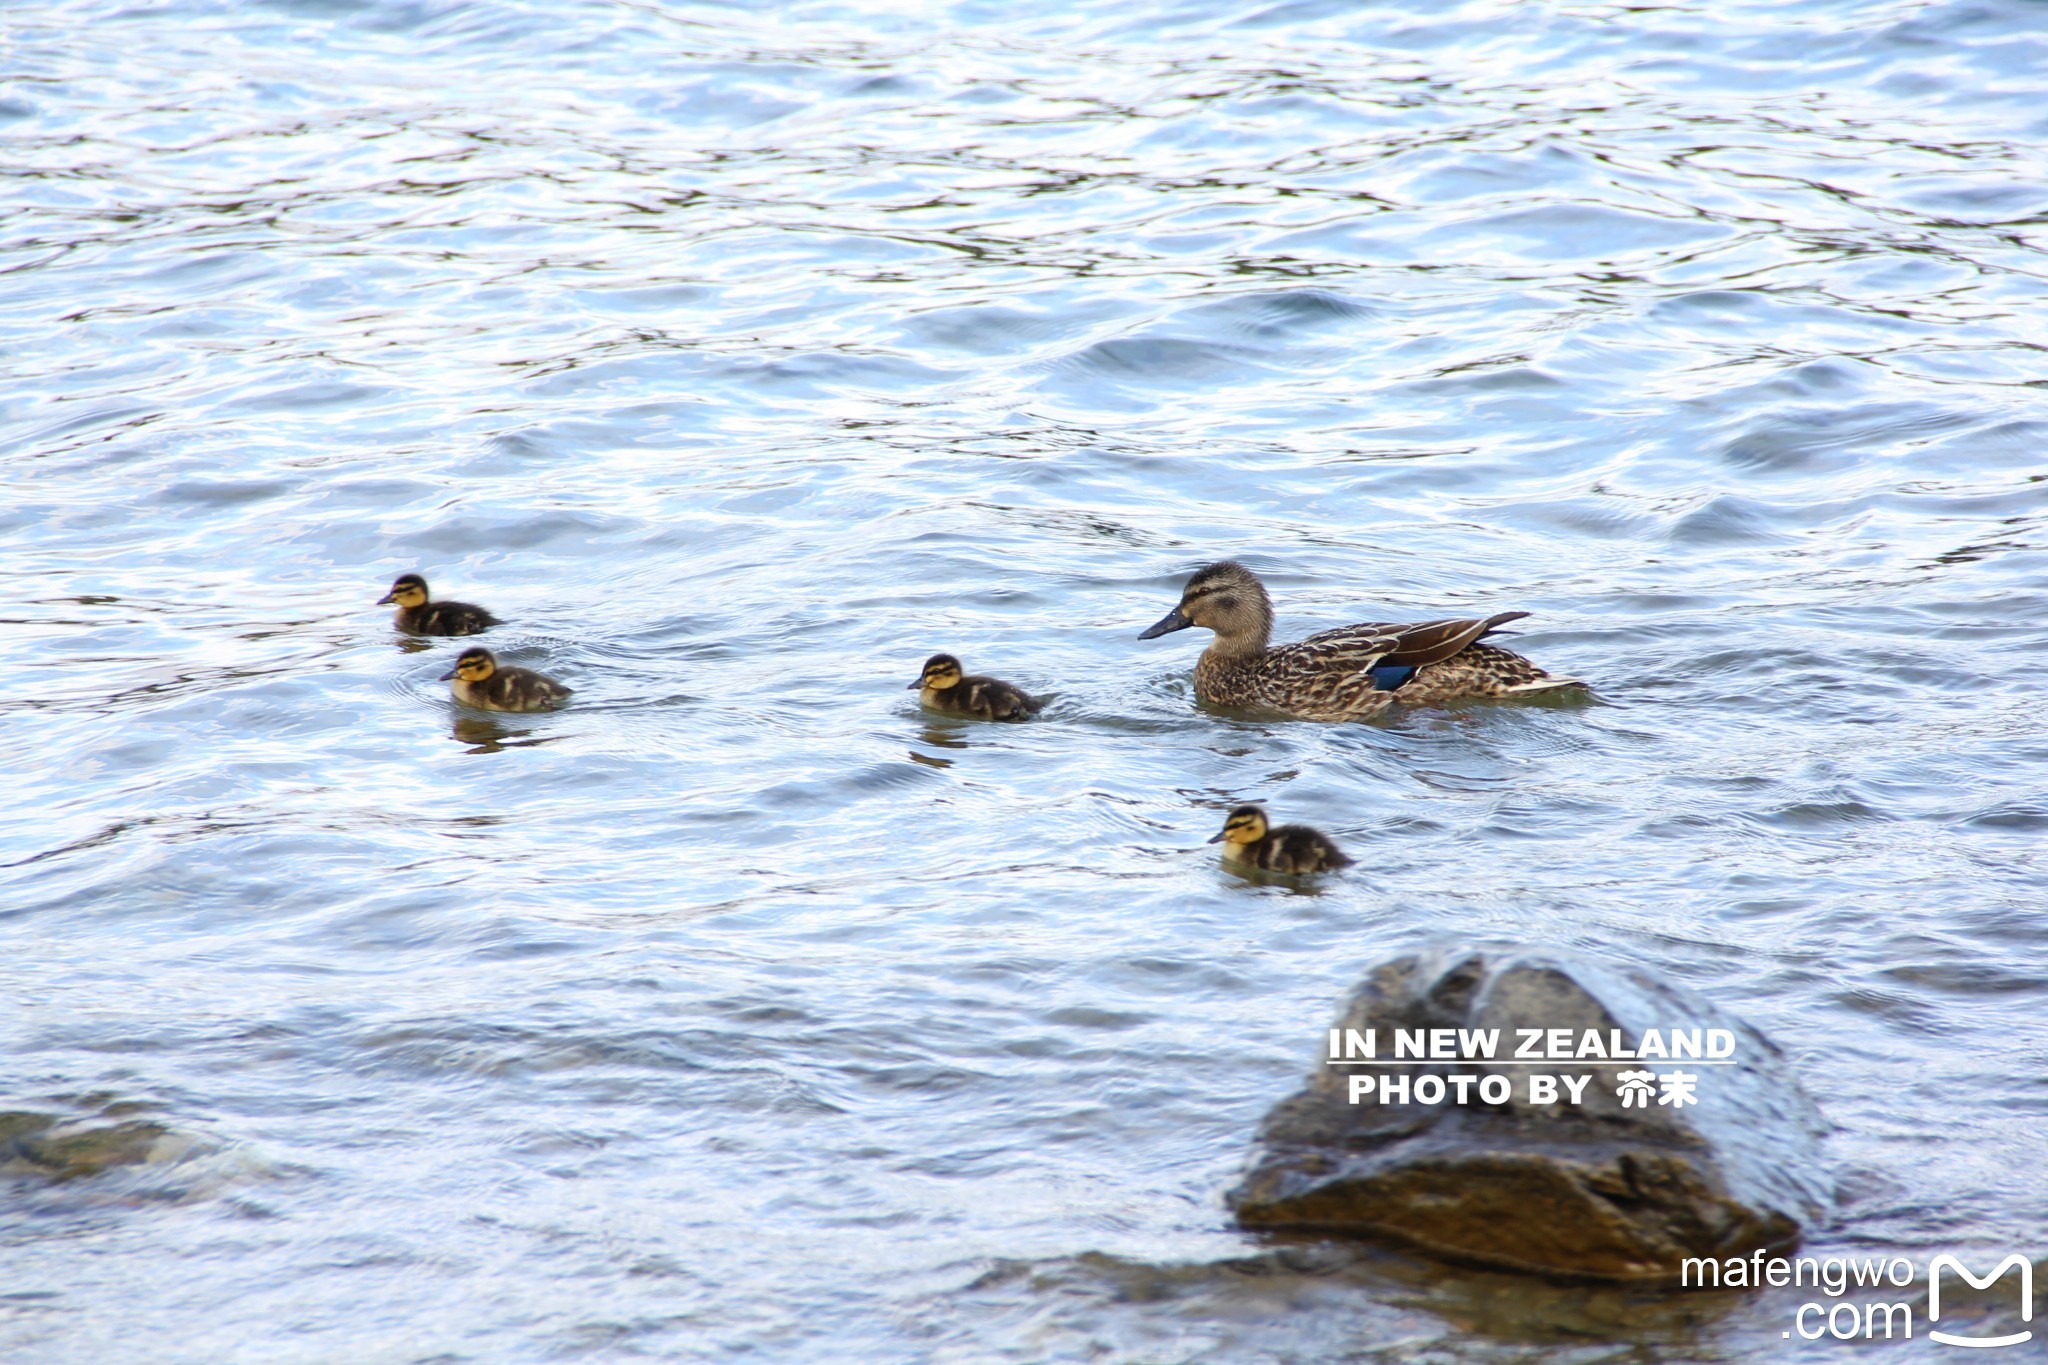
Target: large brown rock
1594 1189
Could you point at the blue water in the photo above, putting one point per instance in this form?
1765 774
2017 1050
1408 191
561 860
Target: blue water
741 360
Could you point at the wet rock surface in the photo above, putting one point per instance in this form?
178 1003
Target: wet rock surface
46 1145
1601 1188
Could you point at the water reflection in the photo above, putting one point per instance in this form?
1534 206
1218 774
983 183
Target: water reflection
1321 1300
949 734
489 735
1313 885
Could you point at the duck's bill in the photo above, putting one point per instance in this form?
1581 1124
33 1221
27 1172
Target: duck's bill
387 599
1216 838
449 674
1166 625
915 686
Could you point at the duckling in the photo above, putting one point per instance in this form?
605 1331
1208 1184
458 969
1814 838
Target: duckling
1291 849
942 687
422 617
1350 673
480 682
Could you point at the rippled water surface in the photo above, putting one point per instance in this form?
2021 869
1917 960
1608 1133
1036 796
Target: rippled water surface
741 359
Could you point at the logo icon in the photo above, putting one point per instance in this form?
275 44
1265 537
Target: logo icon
1934 1269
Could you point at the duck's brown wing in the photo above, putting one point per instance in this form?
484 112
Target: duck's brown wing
1413 644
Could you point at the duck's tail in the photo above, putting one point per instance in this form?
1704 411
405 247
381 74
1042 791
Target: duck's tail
1547 682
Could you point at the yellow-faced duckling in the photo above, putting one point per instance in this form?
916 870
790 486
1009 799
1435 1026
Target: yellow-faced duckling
1293 850
943 688
478 681
423 617
1345 674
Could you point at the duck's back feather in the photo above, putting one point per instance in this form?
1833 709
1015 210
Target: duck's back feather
1416 644
1482 670
447 618
1355 672
987 698
516 689
1295 850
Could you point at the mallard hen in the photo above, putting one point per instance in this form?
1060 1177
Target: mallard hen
1349 673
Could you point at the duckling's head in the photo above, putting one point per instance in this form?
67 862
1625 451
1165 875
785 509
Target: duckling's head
1245 825
940 671
407 590
1226 598
476 664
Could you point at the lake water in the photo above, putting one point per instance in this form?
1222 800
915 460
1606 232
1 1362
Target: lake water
740 360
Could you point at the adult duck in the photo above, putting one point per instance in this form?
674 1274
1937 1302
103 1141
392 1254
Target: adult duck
1350 673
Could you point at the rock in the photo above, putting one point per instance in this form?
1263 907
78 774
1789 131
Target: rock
1597 1189
14 1123
41 1144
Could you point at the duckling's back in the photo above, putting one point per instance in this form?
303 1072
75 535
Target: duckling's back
990 698
1296 849
446 618
516 689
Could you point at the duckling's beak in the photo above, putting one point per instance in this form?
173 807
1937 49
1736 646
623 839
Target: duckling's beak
1217 838
1166 625
449 674
388 598
915 686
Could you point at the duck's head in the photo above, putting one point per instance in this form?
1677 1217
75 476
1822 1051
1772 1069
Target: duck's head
476 664
407 590
1226 598
1245 825
940 671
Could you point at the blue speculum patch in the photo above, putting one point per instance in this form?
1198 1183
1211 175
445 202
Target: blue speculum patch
1387 677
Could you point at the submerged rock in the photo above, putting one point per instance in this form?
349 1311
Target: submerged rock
1598 1188
1317 1301
44 1145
